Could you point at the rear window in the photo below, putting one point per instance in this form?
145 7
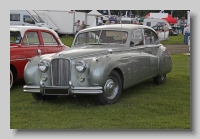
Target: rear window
15 37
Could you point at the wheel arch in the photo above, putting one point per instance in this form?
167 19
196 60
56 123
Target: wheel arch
120 74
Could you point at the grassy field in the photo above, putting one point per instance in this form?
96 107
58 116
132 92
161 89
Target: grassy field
173 40
144 106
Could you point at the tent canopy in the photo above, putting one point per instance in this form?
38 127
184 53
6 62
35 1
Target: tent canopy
164 16
170 19
94 12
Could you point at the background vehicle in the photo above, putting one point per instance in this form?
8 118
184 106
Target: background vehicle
102 62
155 21
25 41
63 21
26 18
172 32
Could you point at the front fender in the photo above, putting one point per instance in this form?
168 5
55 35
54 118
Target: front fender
31 72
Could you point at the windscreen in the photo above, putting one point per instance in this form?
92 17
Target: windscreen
99 37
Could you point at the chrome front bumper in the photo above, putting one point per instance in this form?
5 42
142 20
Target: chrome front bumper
61 90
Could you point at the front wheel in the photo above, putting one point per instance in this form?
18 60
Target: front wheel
112 90
39 97
11 79
159 79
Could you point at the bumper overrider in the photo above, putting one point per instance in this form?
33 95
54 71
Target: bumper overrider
62 90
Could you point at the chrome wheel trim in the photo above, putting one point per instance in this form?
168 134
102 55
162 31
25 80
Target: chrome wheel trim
111 88
11 78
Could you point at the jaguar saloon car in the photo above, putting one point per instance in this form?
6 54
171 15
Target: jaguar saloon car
25 41
103 61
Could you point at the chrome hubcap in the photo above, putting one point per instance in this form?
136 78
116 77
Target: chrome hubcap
111 88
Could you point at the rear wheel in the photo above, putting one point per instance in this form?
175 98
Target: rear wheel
11 79
112 90
39 97
159 79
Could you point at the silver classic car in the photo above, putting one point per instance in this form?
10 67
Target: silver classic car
103 61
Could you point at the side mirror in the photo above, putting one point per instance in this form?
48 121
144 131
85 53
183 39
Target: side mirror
38 51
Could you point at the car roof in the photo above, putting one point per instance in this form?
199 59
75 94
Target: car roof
24 28
118 27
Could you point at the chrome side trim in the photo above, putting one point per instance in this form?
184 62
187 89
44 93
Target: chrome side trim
18 59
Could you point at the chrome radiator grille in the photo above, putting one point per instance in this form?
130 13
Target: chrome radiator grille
60 72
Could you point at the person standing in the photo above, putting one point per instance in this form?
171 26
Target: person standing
165 28
78 26
186 33
182 24
83 25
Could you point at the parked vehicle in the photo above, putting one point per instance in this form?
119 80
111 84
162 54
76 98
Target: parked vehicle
102 62
63 21
128 20
24 41
155 21
26 18
172 32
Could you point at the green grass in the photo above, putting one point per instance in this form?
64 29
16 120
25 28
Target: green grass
143 106
174 40
67 40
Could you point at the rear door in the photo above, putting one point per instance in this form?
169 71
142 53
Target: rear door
150 40
140 59
51 43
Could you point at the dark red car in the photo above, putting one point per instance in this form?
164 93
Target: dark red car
25 41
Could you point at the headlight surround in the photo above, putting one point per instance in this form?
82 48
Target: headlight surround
43 66
80 65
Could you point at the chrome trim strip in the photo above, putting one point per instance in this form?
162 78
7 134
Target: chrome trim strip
28 87
87 91
13 46
18 60
32 90
87 88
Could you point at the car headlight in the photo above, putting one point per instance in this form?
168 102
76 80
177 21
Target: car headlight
43 66
80 66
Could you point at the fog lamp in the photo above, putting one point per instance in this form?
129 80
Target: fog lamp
44 77
81 78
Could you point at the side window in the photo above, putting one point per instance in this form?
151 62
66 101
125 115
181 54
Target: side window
48 39
31 38
28 19
154 38
149 24
138 37
150 37
14 17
